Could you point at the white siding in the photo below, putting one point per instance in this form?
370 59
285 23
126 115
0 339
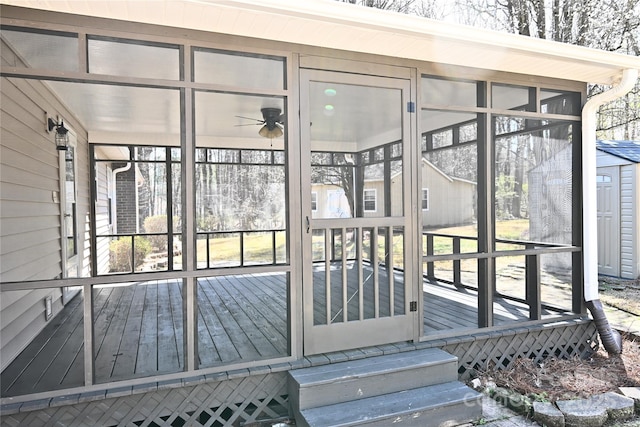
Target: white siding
450 200
629 222
30 244
102 217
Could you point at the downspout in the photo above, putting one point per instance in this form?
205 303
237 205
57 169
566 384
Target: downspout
114 176
610 338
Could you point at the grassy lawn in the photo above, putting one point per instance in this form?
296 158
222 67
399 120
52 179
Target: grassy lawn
517 229
258 246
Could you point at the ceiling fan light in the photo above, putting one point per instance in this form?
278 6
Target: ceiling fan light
270 133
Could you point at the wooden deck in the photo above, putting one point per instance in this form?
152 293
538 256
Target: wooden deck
138 329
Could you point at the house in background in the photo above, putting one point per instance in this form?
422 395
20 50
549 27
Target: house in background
446 201
618 182
163 254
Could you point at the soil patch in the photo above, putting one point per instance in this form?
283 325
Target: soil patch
621 294
556 379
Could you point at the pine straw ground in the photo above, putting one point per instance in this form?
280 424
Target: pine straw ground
556 379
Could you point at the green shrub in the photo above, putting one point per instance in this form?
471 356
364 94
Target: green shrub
158 224
120 254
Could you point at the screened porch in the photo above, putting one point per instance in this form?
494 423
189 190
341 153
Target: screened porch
139 327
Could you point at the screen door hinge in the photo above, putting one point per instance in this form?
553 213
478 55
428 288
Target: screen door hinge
411 107
413 306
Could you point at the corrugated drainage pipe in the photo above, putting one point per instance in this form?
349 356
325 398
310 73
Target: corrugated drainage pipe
611 339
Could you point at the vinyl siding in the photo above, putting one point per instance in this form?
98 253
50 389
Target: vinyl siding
102 218
450 200
629 213
628 222
30 239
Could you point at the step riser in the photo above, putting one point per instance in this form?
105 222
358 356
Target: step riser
440 417
353 388
417 388
448 413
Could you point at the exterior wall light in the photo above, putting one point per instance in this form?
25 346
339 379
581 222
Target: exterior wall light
62 134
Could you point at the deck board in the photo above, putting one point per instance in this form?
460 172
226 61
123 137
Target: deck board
253 318
125 361
170 339
214 342
138 328
28 372
148 347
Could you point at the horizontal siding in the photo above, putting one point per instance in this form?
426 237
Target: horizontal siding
628 222
102 218
450 201
26 197
30 239
83 205
22 322
14 226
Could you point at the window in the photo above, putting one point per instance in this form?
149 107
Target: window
240 208
138 209
440 91
425 199
314 201
603 178
133 58
238 69
370 200
509 97
31 48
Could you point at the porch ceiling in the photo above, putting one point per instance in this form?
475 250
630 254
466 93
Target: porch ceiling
330 24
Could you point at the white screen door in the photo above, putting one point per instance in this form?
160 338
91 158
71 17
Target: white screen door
355 144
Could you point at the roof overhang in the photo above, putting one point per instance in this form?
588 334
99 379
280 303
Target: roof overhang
336 25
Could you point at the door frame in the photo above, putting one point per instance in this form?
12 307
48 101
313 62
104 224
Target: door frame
70 265
324 338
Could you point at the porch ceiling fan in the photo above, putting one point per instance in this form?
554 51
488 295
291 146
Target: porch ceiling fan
272 122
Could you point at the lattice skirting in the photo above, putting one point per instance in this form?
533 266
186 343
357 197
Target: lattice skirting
479 352
247 400
209 404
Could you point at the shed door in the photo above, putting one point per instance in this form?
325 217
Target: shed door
608 185
356 209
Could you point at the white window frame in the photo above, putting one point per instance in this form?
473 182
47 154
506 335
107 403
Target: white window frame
314 201
425 191
367 192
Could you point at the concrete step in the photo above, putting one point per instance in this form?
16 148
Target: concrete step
359 379
440 405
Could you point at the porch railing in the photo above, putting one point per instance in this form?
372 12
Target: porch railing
270 250
532 251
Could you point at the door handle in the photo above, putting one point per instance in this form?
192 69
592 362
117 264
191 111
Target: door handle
308 225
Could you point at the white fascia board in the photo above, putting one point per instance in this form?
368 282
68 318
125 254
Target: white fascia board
336 25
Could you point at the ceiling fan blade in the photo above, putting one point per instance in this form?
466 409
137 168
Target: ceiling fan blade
249 124
251 118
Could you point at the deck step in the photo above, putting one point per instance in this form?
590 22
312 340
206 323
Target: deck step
363 378
440 405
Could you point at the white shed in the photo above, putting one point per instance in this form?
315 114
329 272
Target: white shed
618 186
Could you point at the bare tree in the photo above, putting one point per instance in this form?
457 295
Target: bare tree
611 25
402 6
